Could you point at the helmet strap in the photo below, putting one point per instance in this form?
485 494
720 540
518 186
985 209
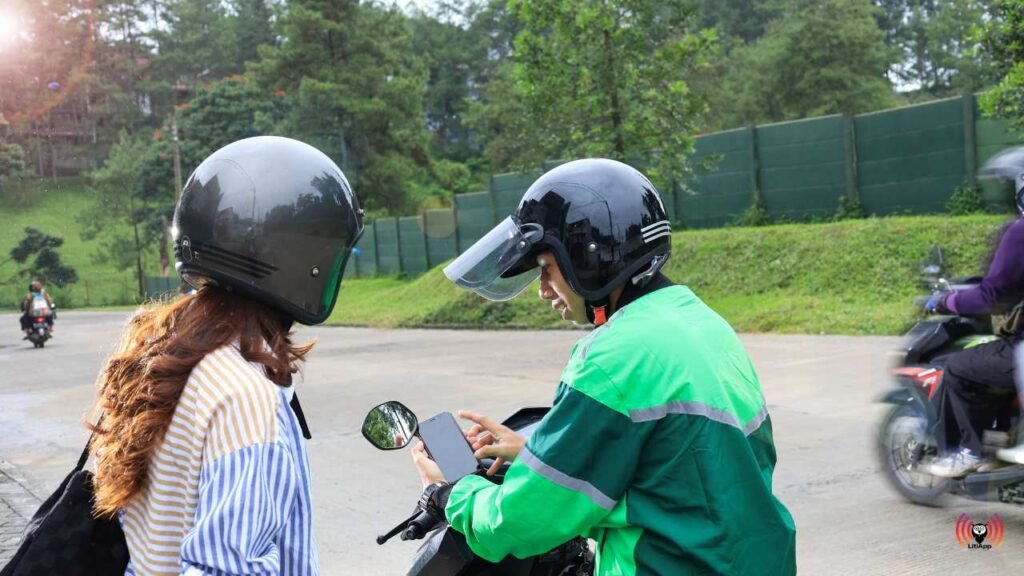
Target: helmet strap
642 279
597 311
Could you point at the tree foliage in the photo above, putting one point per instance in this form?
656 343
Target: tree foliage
355 91
37 252
820 57
1003 40
585 92
935 45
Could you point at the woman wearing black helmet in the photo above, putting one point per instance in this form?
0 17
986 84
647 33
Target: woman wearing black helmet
199 452
978 380
659 445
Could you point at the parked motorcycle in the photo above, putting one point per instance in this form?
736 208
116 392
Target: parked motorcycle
444 551
907 434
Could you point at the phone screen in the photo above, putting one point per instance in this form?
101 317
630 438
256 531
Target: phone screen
448 446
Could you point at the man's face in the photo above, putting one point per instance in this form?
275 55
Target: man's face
555 289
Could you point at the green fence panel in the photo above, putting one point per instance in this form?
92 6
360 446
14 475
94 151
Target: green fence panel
549 164
508 190
365 254
668 199
157 287
803 167
717 195
442 242
388 261
910 160
994 136
413 245
475 217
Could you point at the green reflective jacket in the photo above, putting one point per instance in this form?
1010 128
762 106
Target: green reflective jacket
658 446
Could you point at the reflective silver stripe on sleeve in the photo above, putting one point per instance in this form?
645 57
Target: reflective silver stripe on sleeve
566 481
757 420
700 409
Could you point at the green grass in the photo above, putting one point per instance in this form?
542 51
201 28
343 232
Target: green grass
55 208
853 277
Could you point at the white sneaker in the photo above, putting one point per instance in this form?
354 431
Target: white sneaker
1015 454
955 465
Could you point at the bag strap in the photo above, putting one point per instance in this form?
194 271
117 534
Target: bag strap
297 408
85 451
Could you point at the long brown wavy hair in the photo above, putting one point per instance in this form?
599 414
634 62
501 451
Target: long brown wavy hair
141 383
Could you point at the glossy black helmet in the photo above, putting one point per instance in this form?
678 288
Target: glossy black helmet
1008 165
272 218
603 220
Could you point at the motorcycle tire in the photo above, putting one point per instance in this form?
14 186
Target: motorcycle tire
894 454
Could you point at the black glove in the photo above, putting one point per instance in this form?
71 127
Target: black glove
435 499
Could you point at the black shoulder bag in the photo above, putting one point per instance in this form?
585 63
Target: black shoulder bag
64 538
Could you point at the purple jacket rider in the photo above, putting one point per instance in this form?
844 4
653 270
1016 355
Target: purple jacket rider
1003 285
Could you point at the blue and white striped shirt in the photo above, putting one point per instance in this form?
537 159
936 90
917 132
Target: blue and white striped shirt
228 488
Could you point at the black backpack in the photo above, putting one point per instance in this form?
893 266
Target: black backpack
64 538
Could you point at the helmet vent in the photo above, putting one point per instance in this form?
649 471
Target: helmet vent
231 261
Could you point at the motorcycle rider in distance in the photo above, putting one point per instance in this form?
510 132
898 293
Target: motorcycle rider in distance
35 300
658 445
978 380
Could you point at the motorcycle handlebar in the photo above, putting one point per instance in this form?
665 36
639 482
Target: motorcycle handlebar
419 526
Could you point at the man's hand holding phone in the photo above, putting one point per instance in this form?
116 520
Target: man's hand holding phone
492 440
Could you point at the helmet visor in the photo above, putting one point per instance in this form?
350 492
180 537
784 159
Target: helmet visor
481 267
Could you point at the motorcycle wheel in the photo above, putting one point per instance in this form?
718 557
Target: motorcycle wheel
903 441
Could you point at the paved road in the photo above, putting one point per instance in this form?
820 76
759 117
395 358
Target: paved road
820 392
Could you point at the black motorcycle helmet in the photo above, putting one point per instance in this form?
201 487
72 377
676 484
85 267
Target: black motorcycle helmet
1008 165
272 218
603 220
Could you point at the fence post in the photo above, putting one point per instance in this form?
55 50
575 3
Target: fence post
398 246
426 240
850 149
376 249
970 140
455 219
755 169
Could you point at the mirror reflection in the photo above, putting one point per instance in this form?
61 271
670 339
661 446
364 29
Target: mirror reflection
390 426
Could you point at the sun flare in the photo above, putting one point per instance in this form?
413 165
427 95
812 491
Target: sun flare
8 27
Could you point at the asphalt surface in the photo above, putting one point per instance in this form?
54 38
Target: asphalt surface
821 393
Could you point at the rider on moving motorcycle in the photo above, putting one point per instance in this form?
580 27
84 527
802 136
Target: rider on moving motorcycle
36 300
659 445
978 380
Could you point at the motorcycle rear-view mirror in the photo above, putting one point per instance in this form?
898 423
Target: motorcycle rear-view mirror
390 426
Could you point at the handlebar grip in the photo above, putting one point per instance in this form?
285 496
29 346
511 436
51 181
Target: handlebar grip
419 527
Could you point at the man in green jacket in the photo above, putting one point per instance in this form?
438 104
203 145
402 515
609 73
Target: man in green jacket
659 445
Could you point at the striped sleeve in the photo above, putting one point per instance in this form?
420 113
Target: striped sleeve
245 500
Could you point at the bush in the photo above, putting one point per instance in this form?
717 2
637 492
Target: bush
966 200
849 208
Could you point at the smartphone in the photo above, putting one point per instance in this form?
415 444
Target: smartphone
448 446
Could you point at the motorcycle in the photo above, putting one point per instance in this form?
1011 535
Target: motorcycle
444 551
907 435
40 332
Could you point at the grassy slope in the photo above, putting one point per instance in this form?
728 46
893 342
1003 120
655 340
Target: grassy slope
854 277
54 208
